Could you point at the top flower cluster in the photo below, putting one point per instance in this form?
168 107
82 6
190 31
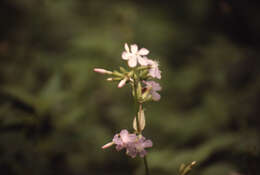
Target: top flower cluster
135 56
142 71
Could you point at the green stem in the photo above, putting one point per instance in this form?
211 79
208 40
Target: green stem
138 106
146 166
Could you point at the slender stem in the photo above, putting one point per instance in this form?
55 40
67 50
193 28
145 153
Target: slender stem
146 166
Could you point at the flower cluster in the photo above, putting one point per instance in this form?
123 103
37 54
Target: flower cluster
140 77
143 68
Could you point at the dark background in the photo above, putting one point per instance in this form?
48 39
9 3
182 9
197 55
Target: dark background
55 113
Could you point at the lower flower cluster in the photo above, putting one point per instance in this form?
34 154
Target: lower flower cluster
133 144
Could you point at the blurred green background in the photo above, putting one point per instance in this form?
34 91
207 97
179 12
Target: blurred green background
55 113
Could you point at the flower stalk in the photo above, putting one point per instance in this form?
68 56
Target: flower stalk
144 89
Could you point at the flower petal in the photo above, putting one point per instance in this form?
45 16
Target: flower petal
131 151
132 62
142 153
142 61
143 51
156 96
119 147
155 73
123 133
134 48
117 140
131 138
126 47
125 55
147 144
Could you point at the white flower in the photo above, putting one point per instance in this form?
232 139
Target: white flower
134 56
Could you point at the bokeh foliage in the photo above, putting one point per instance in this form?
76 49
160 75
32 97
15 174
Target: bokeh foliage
55 113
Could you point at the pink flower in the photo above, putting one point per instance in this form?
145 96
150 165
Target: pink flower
133 144
154 87
134 56
154 68
124 139
139 147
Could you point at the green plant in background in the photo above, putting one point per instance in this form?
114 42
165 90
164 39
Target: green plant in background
144 89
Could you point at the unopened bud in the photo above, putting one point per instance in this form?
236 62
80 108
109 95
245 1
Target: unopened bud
108 145
110 79
102 71
193 163
122 83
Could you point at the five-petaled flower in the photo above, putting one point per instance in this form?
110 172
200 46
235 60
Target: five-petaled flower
134 55
133 144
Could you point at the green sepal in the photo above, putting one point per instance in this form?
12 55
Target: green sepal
118 74
139 91
123 70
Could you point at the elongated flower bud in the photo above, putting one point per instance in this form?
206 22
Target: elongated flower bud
108 145
102 71
122 83
110 79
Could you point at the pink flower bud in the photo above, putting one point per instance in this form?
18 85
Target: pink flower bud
122 83
107 145
102 71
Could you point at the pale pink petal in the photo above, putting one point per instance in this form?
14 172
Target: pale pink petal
142 153
125 55
152 73
119 147
156 96
157 73
142 61
123 134
131 138
132 62
131 150
134 48
147 144
143 51
126 47
155 86
117 140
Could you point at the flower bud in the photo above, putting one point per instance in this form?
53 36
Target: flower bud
108 145
109 79
102 71
122 82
